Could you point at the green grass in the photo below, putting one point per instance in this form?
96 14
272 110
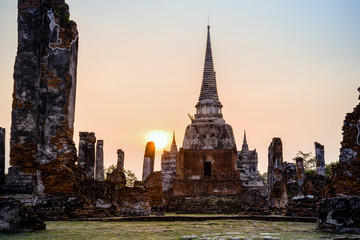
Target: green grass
212 229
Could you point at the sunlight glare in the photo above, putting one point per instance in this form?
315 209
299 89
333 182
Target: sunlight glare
160 138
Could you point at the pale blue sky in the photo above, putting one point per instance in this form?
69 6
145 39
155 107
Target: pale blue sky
286 69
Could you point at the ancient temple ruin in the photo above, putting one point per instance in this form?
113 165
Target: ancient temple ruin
247 163
206 164
168 165
46 171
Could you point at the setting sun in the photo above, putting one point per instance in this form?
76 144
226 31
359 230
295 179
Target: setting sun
160 138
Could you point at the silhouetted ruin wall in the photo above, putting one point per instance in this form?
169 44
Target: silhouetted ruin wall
2 156
44 86
345 176
276 179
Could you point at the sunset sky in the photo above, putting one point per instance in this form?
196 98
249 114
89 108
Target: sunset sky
287 69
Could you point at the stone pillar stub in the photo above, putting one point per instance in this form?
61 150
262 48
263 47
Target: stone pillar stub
276 178
99 174
2 156
90 169
120 161
149 160
87 153
320 159
82 149
300 171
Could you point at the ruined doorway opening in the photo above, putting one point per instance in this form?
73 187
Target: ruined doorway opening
207 169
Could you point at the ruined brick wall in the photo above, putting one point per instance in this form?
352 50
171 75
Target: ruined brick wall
316 185
135 202
345 176
44 85
292 185
2 156
191 180
276 180
43 106
168 169
153 184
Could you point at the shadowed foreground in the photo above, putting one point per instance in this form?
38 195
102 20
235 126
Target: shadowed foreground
212 229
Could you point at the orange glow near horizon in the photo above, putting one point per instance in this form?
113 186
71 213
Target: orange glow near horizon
161 139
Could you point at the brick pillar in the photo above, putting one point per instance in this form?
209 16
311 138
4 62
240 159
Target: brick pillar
320 159
120 161
44 86
99 175
300 170
87 153
149 160
90 168
82 156
276 178
2 156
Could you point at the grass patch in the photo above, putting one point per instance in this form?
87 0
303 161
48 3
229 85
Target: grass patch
212 229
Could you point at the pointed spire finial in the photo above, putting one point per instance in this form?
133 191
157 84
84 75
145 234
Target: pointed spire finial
173 148
245 146
208 87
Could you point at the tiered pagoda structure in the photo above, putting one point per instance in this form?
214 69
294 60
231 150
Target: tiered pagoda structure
206 164
206 178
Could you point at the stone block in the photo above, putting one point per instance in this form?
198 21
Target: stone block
340 215
16 217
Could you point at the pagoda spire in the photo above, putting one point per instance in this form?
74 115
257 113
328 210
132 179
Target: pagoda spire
208 107
173 148
208 86
245 146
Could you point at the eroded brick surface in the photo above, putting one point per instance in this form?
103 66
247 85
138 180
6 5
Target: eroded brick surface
276 180
44 86
2 156
345 176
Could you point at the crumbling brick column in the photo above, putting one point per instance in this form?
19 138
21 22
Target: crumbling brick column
149 160
300 170
87 152
320 159
118 175
120 161
276 178
2 156
44 86
345 175
292 186
99 175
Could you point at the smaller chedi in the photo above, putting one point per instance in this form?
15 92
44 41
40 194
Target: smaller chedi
247 163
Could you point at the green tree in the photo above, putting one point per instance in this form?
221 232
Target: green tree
328 168
264 177
129 175
109 169
130 178
309 160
